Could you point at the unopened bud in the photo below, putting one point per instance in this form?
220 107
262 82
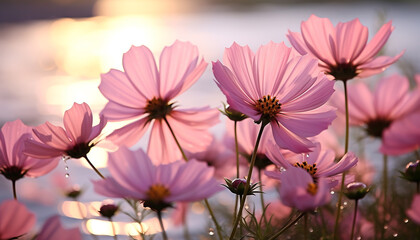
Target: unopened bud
356 190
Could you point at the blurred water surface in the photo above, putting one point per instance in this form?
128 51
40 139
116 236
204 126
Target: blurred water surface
46 65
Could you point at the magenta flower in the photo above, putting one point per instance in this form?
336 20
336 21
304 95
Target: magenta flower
298 190
16 220
145 94
343 51
376 110
52 229
319 163
133 175
278 87
414 211
14 165
75 140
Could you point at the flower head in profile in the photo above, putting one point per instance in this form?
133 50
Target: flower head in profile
298 190
52 229
144 94
133 175
14 164
74 140
377 110
320 163
414 211
277 87
343 51
16 220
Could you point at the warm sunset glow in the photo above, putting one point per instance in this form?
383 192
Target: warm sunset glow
103 227
80 210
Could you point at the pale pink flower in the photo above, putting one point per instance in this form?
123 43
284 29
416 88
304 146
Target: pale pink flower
320 163
14 164
379 109
52 229
343 51
145 94
298 190
133 175
414 211
74 140
15 219
278 87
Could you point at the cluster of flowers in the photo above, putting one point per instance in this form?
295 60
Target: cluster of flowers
281 99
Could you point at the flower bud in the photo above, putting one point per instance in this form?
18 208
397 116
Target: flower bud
233 114
108 210
74 192
237 186
356 190
412 171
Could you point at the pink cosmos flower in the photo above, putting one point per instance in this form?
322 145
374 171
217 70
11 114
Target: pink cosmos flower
74 140
16 220
298 190
278 87
320 163
343 51
378 110
133 175
52 229
145 94
13 163
414 211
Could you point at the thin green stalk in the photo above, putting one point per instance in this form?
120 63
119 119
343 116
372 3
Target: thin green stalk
235 130
248 180
159 214
354 219
93 167
113 229
14 189
286 227
218 228
176 140
346 148
385 193
262 195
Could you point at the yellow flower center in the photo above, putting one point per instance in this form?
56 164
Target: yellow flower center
310 168
268 107
312 188
157 193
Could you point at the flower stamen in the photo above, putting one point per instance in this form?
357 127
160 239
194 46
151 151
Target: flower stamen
310 168
157 108
268 107
312 188
157 193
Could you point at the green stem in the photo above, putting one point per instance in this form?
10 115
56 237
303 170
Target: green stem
248 180
14 189
346 148
218 228
113 229
354 219
385 192
159 214
93 167
286 227
235 130
262 196
176 140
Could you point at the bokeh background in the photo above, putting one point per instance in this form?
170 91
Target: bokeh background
52 53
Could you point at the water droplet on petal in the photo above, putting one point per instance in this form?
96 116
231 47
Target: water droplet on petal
67 167
332 192
67 175
211 231
345 203
406 220
282 169
395 235
307 155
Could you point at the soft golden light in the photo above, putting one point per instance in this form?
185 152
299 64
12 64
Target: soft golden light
103 227
80 210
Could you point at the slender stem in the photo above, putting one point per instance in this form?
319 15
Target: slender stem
305 228
346 148
235 130
324 224
354 219
186 232
262 195
286 227
93 167
113 229
159 214
14 189
248 180
176 140
385 193
218 228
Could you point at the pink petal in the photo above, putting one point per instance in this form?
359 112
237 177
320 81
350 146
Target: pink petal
78 122
40 167
52 229
351 38
12 136
377 65
129 134
96 130
288 140
162 146
15 219
298 43
395 86
116 87
361 106
115 112
40 150
53 136
140 67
